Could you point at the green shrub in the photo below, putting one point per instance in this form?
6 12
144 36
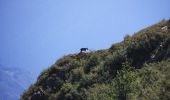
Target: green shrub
68 92
92 62
100 92
114 62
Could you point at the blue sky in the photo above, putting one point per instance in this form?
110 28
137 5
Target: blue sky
35 33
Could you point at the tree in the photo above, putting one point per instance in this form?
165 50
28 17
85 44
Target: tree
126 83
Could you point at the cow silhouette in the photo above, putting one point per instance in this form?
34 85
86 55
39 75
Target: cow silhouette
83 49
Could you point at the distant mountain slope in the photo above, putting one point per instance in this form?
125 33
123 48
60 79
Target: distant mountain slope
135 69
13 81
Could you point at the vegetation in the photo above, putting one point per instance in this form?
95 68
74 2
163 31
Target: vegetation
135 69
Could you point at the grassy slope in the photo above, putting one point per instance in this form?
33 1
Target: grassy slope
137 67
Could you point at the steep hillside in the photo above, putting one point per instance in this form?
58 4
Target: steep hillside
135 69
13 81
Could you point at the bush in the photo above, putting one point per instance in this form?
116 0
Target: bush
114 62
91 62
76 74
126 83
100 92
68 92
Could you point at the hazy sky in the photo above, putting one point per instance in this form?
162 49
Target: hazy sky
35 33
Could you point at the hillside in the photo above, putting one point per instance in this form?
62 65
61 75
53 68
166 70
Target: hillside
13 81
135 69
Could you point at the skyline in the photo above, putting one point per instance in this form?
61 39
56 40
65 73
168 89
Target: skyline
35 33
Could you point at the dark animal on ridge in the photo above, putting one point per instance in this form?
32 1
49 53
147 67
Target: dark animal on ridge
83 49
